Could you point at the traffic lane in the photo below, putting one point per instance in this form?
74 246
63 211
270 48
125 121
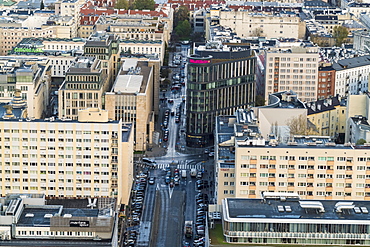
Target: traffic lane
176 218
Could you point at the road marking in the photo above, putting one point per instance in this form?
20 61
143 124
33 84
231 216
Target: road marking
170 190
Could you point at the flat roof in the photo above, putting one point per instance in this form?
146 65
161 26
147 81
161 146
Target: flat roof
238 209
128 83
35 216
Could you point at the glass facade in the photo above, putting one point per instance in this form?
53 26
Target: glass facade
298 233
213 89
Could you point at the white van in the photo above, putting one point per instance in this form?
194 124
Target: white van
183 173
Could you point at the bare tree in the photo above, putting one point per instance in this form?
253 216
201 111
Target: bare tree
258 32
299 126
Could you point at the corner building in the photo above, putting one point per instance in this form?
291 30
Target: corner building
221 79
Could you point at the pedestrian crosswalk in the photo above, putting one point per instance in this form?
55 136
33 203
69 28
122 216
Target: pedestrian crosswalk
181 166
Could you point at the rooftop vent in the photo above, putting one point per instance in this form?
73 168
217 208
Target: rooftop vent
281 208
67 216
312 205
357 210
48 215
29 215
339 206
288 209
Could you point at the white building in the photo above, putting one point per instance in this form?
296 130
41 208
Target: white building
352 75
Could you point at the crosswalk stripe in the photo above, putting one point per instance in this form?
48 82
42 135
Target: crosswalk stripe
185 166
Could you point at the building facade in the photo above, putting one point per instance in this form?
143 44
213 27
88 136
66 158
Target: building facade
314 167
326 82
91 157
220 80
295 70
352 75
131 100
83 87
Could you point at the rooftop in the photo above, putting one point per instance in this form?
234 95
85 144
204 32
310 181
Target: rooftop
293 209
352 63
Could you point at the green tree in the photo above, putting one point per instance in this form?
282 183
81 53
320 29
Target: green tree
121 4
183 29
42 6
181 14
361 142
144 4
340 33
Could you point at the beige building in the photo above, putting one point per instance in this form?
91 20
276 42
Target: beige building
329 116
31 79
90 157
294 68
83 87
131 99
250 24
358 113
312 166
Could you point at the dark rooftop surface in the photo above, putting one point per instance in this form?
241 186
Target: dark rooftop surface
254 208
81 212
38 218
352 62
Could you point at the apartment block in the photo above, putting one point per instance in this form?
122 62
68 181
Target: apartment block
90 157
264 24
32 80
326 82
314 167
143 47
83 87
352 75
294 68
131 99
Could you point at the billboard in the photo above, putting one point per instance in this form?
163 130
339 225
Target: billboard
79 223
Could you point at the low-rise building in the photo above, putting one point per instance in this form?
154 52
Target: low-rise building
37 220
284 218
358 113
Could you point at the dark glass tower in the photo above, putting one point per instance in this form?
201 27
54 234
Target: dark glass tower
220 80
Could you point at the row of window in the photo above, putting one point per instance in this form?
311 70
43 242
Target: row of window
308 158
305 167
68 132
306 193
97 173
62 188
60 180
52 233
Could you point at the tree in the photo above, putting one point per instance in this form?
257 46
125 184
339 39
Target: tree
183 29
42 6
260 100
361 142
121 4
299 126
258 32
181 14
144 4
340 33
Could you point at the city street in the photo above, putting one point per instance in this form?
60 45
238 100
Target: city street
167 206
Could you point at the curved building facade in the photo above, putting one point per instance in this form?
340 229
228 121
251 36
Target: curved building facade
219 82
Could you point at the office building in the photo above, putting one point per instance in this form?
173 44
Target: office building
314 167
283 218
83 87
30 80
131 99
294 68
221 79
87 157
104 47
